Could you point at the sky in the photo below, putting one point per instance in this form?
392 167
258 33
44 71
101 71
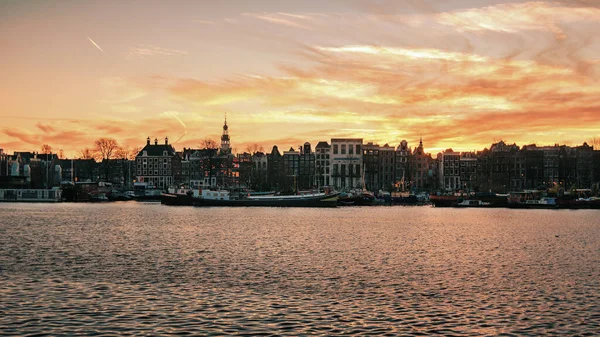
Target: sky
460 74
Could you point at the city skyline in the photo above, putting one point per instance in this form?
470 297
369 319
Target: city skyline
460 75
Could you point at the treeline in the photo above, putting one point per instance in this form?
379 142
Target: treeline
103 148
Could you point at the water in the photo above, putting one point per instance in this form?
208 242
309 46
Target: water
147 269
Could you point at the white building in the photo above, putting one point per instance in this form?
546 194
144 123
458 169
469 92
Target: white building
346 162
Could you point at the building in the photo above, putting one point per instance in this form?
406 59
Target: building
468 171
306 171
346 163
243 169
291 170
387 162
584 166
322 171
225 140
259 176
275 171
401 171
158 164
420 169
450 170
371 166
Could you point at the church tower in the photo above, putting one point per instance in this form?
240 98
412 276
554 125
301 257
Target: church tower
225 145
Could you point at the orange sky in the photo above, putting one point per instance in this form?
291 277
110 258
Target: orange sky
461 74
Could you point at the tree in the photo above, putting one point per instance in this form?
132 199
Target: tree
253 148
209 143
595 142
124 152
46 149
106 147
86 153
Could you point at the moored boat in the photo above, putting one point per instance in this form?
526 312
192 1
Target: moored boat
473 203
177 197
222 198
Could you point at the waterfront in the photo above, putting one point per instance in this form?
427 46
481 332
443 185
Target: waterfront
147 269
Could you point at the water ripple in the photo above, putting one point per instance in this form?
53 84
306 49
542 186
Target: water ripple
140 269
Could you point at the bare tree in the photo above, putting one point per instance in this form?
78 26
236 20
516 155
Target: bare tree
124 152
106 147
209 143
86 153
595 142
46 149
61 154
255 147
134 152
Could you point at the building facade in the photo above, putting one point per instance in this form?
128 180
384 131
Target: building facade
158 164
346 163
322 170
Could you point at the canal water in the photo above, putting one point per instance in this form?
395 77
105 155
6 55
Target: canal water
146 269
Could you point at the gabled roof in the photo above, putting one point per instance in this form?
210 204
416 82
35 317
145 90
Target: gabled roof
157 150
323 145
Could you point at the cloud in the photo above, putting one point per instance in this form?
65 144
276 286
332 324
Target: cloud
518 17
285 19
384 71
44 127
144 50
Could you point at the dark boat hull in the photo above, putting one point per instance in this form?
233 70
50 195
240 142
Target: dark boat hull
330 201
176 199
147 198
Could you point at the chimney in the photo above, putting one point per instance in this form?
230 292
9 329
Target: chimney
148 141
166 140
155 141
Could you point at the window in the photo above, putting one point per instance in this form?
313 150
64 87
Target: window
335 149
343 149
350 149
343 169
335 169
358 169
357 148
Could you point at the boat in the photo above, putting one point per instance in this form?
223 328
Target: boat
490 199
146 192
532 199
444 200
473 203
222 198
116 195
358 196
31 195
98 197
180 196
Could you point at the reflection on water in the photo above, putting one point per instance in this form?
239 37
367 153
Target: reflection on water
134 268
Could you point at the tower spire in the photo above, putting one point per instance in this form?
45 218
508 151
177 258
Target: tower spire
225 141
